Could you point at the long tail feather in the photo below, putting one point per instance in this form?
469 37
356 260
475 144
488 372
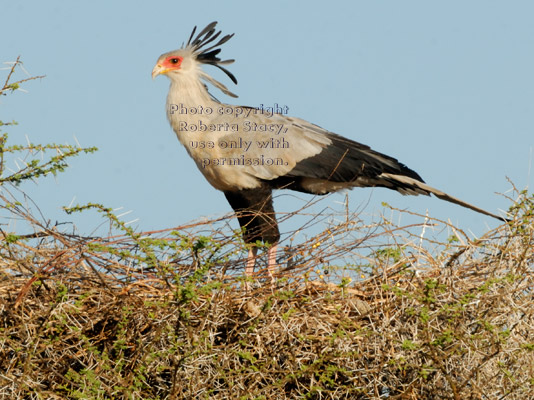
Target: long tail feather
441 195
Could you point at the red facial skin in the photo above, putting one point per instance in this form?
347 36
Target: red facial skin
172 62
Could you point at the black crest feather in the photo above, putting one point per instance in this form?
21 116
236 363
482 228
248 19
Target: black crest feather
208 55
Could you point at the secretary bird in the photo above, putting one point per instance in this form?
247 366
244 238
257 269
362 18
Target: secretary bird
247 152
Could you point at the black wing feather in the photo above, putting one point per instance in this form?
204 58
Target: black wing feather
345 161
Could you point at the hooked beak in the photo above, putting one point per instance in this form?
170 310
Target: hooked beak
159 69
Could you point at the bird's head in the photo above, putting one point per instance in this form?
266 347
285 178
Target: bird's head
186 62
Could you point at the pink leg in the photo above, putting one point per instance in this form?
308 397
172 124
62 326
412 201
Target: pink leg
251 262
271 263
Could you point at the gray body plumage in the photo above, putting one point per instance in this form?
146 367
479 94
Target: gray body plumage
230 148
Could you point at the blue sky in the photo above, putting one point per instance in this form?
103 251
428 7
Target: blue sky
447 88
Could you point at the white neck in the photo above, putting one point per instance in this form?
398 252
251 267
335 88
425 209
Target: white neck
189 91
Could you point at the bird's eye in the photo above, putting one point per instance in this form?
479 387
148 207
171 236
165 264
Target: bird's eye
174 60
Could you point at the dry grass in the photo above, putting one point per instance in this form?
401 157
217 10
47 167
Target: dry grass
161 315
